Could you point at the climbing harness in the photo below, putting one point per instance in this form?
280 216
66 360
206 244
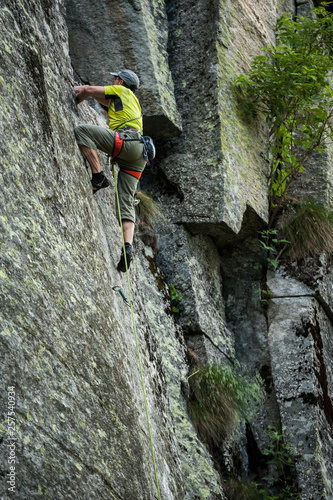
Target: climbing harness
148 153
118 289
134 327
118 145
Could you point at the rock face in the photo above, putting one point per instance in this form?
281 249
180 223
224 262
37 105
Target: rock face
218 174
74 416
303 382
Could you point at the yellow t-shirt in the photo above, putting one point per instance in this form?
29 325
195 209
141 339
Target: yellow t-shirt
124 107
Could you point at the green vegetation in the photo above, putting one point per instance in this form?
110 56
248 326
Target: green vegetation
147 209
175 299
281 481
309 228
264 296
281 458
220 397
269 243
289 86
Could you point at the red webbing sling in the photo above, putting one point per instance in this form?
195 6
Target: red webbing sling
132 172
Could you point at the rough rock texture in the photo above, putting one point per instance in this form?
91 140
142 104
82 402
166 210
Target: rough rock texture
66 347
67 341
304 381
199 476
220 166
199 283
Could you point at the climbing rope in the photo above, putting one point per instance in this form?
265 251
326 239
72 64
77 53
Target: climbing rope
134 327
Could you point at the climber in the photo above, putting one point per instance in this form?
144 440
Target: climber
121 140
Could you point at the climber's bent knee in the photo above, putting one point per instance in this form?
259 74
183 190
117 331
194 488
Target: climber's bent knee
83 137
95 137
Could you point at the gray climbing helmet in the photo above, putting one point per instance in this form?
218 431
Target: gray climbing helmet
129 77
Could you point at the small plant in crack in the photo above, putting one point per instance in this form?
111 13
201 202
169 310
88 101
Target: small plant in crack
269 243
309 227
264 296
281 458
281 483
220 397
175 299
240 489
271 248
147 208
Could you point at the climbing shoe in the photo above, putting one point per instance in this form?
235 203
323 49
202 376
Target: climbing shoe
99 182
129 257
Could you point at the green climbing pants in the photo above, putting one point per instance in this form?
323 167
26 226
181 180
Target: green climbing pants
130 159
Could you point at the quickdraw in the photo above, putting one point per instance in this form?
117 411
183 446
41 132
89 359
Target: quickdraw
118 289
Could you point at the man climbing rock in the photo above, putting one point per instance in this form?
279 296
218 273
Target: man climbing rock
121 140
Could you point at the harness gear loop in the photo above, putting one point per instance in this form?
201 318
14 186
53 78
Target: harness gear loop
111 160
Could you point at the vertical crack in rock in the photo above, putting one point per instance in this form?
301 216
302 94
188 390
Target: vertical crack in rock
325 401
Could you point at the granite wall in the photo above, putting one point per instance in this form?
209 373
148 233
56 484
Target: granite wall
68 348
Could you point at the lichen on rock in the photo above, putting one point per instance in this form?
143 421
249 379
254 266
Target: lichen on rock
67 341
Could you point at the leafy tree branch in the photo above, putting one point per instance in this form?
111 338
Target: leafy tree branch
290 86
